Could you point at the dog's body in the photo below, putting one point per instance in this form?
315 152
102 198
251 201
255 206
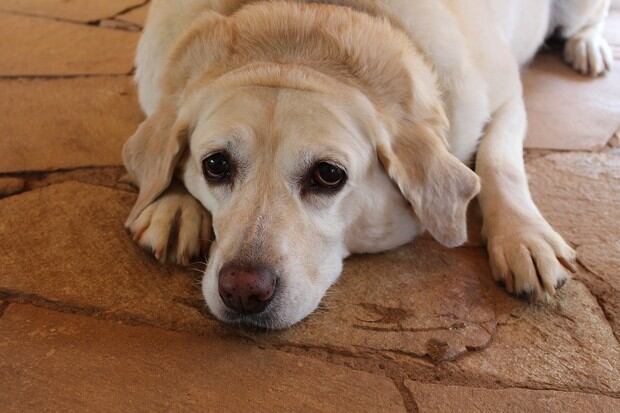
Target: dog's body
340 81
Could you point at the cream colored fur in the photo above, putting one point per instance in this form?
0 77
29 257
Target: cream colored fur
401 93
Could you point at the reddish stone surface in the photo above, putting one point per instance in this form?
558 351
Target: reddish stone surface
9 186
60 48
68 245
438 398
579 193
422 300
568 345
75 10
136 16
567 111
89 322
65 123
76 363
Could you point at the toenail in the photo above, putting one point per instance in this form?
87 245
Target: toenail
525 294
560 283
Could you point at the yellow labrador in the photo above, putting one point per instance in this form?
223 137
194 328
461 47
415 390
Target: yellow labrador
295 133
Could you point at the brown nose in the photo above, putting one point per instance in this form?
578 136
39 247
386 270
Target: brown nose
246 290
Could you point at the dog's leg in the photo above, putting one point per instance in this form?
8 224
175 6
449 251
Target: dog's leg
525 253
581 22
176 228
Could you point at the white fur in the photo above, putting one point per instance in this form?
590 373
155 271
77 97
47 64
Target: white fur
476 48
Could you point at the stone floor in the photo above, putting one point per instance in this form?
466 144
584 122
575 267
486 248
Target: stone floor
89 322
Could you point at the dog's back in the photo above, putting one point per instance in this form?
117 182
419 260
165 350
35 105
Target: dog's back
523 24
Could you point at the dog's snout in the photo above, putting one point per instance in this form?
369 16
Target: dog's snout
245 289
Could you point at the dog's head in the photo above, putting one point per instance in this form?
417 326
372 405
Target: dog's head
298 169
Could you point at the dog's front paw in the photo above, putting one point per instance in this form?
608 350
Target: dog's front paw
530 259
176 228
589 54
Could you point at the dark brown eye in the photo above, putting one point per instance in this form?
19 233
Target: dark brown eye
326 175
217 167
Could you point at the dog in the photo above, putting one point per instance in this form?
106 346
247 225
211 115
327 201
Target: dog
287 135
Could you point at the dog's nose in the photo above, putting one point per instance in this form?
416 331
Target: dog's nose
246 290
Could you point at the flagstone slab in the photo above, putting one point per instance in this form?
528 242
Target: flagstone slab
10 185
136 16
52 124
441 398
68 248
422 300
57 48
567 345
568 111
571 344
62 362
579 193
76 10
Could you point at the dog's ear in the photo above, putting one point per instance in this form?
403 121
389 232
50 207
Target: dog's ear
436 184
151 154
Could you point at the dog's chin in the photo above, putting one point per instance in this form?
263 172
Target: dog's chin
272 318
266 320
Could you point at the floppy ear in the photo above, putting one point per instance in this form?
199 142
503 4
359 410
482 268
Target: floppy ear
438 186
152 153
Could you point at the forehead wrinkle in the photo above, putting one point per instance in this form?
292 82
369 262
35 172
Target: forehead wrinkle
330 132
267 138
333 111
272 131
213 105
228 112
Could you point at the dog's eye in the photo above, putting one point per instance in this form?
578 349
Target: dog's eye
326 175
217 167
